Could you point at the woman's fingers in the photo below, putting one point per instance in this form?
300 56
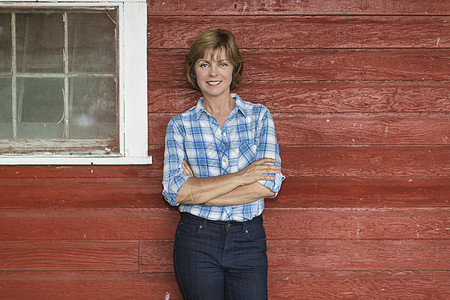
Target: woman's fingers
186 169
266 165
259 170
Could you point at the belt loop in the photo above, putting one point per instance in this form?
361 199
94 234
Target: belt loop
245 226
205 223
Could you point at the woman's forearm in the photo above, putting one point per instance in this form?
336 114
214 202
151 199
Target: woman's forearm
199 190
242 195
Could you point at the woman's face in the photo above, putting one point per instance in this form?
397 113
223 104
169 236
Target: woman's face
214 74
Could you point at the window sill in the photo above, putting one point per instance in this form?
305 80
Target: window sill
75 160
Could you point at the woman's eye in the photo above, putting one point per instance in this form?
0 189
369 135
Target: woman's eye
223 64
203 65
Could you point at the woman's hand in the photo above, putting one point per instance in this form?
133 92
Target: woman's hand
186 169
258 170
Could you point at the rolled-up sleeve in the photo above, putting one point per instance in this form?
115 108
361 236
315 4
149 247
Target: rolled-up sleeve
268 147
174 154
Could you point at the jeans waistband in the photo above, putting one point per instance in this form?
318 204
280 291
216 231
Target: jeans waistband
187 216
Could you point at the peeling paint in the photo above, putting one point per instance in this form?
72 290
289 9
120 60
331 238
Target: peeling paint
245 7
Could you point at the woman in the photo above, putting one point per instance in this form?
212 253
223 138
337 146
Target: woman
221 160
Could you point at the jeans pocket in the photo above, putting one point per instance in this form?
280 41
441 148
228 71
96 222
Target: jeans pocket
255 233
189 229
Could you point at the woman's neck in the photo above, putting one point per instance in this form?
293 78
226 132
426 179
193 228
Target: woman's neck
219 108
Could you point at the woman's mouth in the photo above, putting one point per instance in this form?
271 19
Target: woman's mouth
213 83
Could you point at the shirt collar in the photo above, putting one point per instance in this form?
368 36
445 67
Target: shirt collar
239 105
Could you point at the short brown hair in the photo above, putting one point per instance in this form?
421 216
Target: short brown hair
213 40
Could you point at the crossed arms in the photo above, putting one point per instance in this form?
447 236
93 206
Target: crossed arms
230 189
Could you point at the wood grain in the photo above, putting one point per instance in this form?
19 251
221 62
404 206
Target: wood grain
282 285
358 255
76 171
294 7
80 192
88 224
313 32
366 161
359 285
68 255
363 192
87 285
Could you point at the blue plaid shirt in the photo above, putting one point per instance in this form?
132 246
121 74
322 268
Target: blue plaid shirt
195 136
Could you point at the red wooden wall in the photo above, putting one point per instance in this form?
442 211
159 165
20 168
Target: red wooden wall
359 91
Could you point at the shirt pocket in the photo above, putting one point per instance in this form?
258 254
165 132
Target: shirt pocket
247 154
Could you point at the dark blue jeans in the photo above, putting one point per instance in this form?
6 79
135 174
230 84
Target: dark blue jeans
217 260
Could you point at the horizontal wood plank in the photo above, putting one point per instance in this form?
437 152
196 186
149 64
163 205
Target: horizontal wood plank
328 255
295 7
362 192
68 255
362 255
80 192
359 285
347 129
76 171
88 285
366 161
324 64
281 285
357 223
295 192
313 32
316 97
88 224
281 223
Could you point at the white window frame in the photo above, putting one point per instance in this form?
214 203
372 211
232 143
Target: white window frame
133 129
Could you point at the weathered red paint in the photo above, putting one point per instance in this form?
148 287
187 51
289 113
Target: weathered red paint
360 97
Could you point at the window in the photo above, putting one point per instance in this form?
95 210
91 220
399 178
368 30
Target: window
73 82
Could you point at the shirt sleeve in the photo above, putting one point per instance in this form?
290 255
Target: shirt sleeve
268 147
174 154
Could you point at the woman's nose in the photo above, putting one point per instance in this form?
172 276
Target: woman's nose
213 70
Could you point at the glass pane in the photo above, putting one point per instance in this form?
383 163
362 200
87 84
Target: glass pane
92 42
5 43
40 107
5 109
92 108
40 42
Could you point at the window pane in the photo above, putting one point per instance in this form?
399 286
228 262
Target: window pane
5 109
40 42
5 43
40 106
93 108
92 42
